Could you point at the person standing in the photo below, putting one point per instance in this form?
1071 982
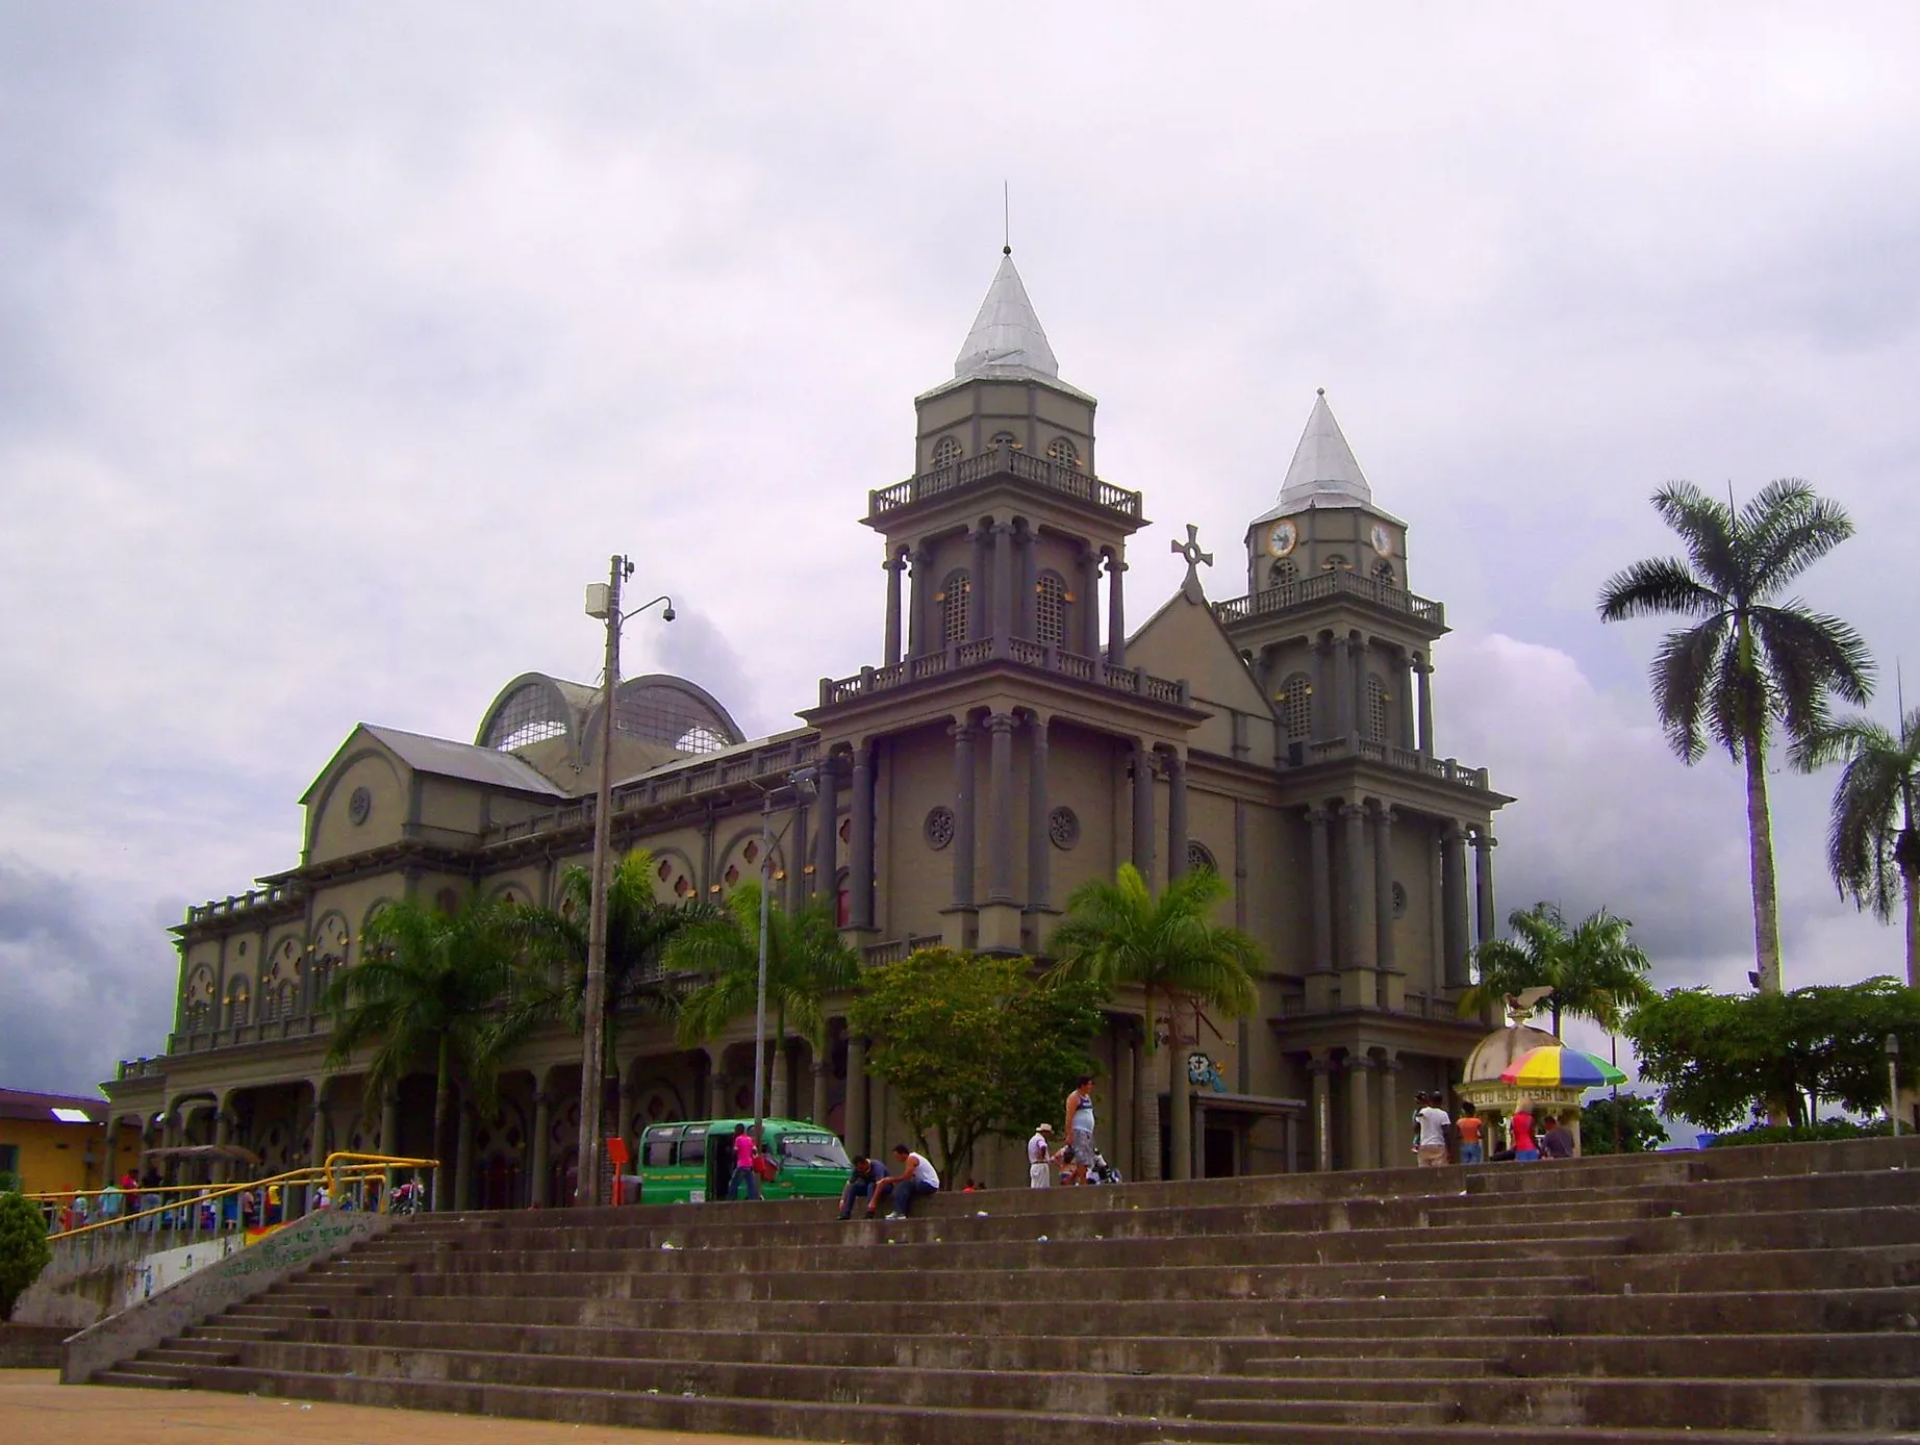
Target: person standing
1558 1140
917 1176
1434 1123
1080 1129
1040 1158
1469 1127
746 1179
1520 1128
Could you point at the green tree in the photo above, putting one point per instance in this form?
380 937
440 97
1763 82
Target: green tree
550 979
806 961
1626 1125
1873 845
1118 935
973 1045
1750 659
430 985
1595 969
23 1249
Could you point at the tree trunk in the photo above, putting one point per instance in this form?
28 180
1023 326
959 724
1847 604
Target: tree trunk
442 1101
1910 881
1766 905
1179 1109
776 1094
1146 1106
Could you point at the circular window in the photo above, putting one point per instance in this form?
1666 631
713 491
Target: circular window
1200 856
1063 827
360 805
939 827
1399 900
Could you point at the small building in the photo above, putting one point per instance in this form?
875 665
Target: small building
56 1142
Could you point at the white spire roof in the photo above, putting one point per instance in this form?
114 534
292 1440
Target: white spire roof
1324 472
1007 338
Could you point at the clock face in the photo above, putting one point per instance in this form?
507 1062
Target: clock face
1282 538
1382 539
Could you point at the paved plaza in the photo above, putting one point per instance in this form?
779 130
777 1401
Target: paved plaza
36 1409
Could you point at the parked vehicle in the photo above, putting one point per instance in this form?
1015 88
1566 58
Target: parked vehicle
690 1163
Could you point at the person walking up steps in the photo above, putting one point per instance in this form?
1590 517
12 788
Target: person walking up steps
1080 1153
1040 1158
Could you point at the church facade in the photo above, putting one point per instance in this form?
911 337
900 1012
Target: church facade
1012 740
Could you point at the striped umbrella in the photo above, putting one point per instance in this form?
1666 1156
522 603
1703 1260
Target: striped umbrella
1556 1066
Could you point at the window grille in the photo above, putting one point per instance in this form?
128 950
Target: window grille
530 714
946 452
1050 610
954 593
1383 573
239 1006
1377 701
1200 856
1064 452
1004 439
1296 707
1283 573
1336 562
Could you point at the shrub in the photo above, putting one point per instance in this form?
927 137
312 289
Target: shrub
1824 1131
23 1249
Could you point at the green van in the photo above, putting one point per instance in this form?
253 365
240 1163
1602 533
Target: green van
692 1163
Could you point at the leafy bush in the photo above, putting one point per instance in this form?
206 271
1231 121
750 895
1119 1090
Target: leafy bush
23 1249
1825 1131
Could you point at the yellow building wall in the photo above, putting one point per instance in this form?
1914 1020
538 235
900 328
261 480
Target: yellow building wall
54 1157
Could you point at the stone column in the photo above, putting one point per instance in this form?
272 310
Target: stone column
1483 846
1360 1130
1126 1091
1324 715
963 790
979 619
1357 680
717 1082
1357 945
1002 608
1453 898
1320 1070
463 1163
860 884
1396 1125
390 1123
856 1116
826 833
1028 576
1423 671
818 1113
1385 955
1179 1103
1143 810
1116 611
1404 685
1000 808
541 1167
893 566
918 602
1320 966
1176 767
1088 603
1039 844
1344 725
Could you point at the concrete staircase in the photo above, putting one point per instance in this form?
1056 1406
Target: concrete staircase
1755 1294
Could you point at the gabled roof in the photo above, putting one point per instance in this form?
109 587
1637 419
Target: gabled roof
24 1104
443 759
1324 471
1007 338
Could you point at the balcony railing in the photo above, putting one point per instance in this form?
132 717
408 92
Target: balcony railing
239 903
1041 658
1445 770
1330 585
1003 461
893 950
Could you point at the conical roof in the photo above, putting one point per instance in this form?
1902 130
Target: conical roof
1324 472
1007 338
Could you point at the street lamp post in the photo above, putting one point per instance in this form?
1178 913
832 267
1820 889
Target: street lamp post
603 601
1893 1083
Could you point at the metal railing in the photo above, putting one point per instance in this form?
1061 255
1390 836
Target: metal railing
1328 585
1066 478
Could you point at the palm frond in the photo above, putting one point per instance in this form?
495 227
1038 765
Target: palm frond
1683 674
1710 531
1657 586
1789 528
1806 656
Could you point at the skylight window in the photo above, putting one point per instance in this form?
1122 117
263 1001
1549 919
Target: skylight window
72 1116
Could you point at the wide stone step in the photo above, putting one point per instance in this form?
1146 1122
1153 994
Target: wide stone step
1393 1413
139 1378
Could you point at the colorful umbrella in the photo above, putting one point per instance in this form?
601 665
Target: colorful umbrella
1556 1066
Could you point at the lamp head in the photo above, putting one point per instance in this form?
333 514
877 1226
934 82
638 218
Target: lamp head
1893 1046
667 616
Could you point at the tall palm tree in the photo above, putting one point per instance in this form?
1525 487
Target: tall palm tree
429 985
550 984
1873 844
1118 934
806 961
1595 969
1751 658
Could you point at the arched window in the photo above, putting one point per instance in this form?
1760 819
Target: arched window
239 1004
1283 573
1296 707
1383 573
1377 701
946 452
1199 856
1063 451
953 606
1336 563
1050 610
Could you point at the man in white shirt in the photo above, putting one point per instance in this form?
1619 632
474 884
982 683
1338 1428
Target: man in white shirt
1040 1158
917 1176
1434 1123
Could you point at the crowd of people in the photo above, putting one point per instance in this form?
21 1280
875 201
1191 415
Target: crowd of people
146 1203
1439 1139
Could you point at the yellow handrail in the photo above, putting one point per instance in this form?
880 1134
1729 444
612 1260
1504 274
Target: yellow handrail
358 1169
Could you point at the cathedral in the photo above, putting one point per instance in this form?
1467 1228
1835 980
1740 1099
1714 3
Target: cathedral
1012 740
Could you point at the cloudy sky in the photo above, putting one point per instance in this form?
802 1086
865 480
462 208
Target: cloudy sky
339 349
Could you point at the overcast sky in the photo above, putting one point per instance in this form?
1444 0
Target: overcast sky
339 348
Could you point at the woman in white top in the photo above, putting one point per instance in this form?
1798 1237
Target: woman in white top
1040 1158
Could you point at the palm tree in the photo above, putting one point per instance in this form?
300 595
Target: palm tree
806 961
1118 934
550 984
1749 659
1873 845
1595 969
429 984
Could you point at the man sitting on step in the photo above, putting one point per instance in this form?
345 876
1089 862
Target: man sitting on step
917 1176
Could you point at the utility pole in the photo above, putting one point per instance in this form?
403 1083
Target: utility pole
593 1009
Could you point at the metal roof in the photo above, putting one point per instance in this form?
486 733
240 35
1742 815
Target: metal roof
1007 338
445 759
23 1104
1324 471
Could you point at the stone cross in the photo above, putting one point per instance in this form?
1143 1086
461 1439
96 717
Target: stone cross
1190 549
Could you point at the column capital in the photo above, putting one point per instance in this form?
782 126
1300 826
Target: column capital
961 731
1001 722
1384 815
1483 839
1350 808
1171 761
1388 1063
1359 1063
1317 815
1421 665
1320 1064
1455 831
895 562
